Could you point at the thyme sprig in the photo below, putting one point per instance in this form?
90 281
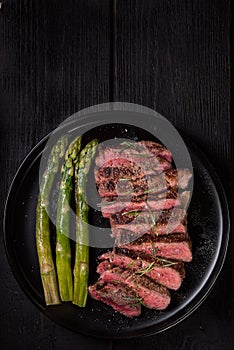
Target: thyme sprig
149 268
152 189
152 216
142 155
147 222
131 212
102 204
135 300
129 264
168 262
116 281
129 144
141 272
154 249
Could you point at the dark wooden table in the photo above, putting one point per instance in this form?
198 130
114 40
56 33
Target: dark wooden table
58 57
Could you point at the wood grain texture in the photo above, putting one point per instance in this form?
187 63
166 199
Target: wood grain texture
54 60
57 57
174 56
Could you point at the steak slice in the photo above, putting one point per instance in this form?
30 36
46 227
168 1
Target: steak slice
167 273
131 196
120 186
132 235
117 169
157 149
124 168
171 178
158 222
151 294
161 202
110 208
175 246
134 152
119 297
164 216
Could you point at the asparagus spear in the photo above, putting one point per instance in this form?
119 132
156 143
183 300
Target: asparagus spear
63 250
47 269
81 267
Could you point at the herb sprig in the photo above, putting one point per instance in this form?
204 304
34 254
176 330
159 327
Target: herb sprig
135 300
141 272
102 204
168 262
142 155
131 212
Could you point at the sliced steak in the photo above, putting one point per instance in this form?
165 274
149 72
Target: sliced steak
134 152
175 246
160 202
124 168
151 294
141 195
121 186
167 273
118 169
153 184
172 238
131 196
137 231
157 149
157 222
119 297
110 208
163 204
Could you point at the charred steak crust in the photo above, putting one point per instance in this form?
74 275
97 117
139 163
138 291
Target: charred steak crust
154 205
152 223
175 265
148 147
157 149
133 154
106 266
175 246
114 171
167 273
172 238
175 215
119 297
133 232
150 293
113 182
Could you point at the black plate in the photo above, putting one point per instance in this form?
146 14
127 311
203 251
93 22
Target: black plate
208 227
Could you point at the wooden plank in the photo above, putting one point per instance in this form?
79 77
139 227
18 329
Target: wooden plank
231 180
174 56
54 60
